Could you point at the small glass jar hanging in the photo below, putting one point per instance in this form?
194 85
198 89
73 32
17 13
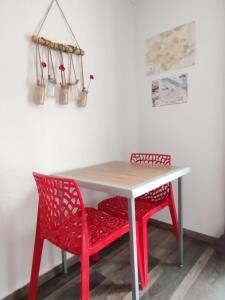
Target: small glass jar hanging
82 100
51 86
39 91
64 94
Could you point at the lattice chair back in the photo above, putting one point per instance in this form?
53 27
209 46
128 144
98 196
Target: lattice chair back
61 208
154 159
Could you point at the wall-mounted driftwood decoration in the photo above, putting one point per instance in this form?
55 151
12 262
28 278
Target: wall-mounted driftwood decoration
70 69
57 46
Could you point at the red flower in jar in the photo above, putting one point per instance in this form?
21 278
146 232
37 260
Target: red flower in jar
62 68
44 65
91 77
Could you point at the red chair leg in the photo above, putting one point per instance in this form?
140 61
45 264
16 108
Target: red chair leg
143 239
85 278
38 247
173 214
140 262
95 257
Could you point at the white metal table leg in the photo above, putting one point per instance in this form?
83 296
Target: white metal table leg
133 249
180 218
64 263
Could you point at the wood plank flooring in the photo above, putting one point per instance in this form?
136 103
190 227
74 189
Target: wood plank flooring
202 276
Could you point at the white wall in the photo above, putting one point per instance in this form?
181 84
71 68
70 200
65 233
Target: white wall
52 138
118 119
193 133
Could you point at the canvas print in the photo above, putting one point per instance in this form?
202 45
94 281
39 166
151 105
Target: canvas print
169 90
171 50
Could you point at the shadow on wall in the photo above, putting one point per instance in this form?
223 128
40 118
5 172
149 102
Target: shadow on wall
18 248
31 77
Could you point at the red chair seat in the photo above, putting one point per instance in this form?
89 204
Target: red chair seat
144 208
102 230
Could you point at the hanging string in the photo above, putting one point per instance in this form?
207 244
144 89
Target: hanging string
70 68
37 66
82 72
42 73
44 18
38 58
50 62
53 69
62 69
64 17
49 76
74 70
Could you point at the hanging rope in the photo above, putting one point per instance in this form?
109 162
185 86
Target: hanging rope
82 72
62 69
37 66
74 70
71 68
50 63
64 17
40 81
44 18
68 25
56 46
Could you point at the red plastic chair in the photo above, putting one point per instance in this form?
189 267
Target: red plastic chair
64 221
146 206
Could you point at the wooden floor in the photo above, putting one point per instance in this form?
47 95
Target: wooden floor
201 278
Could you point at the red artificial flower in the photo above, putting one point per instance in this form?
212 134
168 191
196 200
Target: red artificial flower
62 68
44 65
91 77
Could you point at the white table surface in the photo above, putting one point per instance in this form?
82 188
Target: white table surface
123 178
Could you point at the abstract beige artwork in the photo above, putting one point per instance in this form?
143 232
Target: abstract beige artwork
171 50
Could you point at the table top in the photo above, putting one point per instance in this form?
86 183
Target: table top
124 178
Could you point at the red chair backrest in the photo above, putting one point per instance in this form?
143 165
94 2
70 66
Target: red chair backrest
154 159
61 207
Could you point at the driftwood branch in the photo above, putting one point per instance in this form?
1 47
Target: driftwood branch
57 46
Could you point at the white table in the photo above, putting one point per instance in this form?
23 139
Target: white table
131 180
